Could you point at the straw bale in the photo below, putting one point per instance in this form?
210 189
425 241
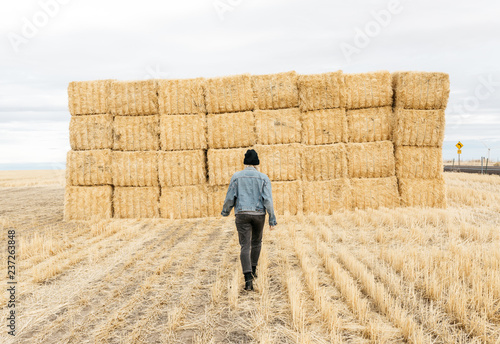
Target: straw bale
321 91
89 97
367 90
216 195
370 159
135 168
275 91
280 162
136 202
423 192
134 98
287 197
368 125
421 90
278 126
223 163
322 127
328 196
89 168
180 202
183 132
182 167
324 162
375 192
231 130
88 202
181 96
91 132
419 162
136 133
419 127
229 94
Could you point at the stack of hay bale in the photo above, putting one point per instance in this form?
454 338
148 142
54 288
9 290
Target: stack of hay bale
134 106
89 179
324 138
370 152
258 112
278 131
168 148
419 103
182 159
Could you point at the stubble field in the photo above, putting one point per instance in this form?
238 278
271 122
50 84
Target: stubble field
402 275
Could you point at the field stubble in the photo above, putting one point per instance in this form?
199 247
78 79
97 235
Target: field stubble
387 276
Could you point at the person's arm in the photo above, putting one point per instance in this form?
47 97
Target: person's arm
267 196
230 198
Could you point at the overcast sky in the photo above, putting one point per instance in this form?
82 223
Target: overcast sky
45 44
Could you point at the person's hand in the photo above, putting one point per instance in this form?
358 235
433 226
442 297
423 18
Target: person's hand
271 227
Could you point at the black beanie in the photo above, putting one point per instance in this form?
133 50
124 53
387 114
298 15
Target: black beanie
251 158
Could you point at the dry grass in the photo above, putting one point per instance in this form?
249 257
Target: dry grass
416 275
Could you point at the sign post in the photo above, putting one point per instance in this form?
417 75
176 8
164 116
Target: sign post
459 146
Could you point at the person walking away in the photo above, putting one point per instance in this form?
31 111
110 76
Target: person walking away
250 194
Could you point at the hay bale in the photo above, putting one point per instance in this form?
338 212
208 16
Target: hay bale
328 196
321 91
368 125
422 192
182 168
223 163
370 159
322 127
229 94
368 90
183 132
280 162
91 132
181 96
89 168
88 202
231 130
278 126
324 162
136 133
419 127
419 162
421 90
136 202
375 193
216 195
181 202
287 197
275 91
135 168
89 97
134 98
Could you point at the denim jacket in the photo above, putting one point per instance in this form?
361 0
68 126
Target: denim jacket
249 190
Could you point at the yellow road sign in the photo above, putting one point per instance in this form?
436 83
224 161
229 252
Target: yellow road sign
459 145
459 151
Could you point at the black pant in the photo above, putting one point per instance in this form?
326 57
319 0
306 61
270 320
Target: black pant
250 229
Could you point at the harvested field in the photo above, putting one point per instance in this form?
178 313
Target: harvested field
404 275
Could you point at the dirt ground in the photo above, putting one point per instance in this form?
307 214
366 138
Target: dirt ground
386 276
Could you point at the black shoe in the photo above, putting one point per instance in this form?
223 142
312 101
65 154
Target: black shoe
248 281
254 271
249 285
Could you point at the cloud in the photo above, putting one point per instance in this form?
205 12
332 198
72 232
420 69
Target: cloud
126 39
